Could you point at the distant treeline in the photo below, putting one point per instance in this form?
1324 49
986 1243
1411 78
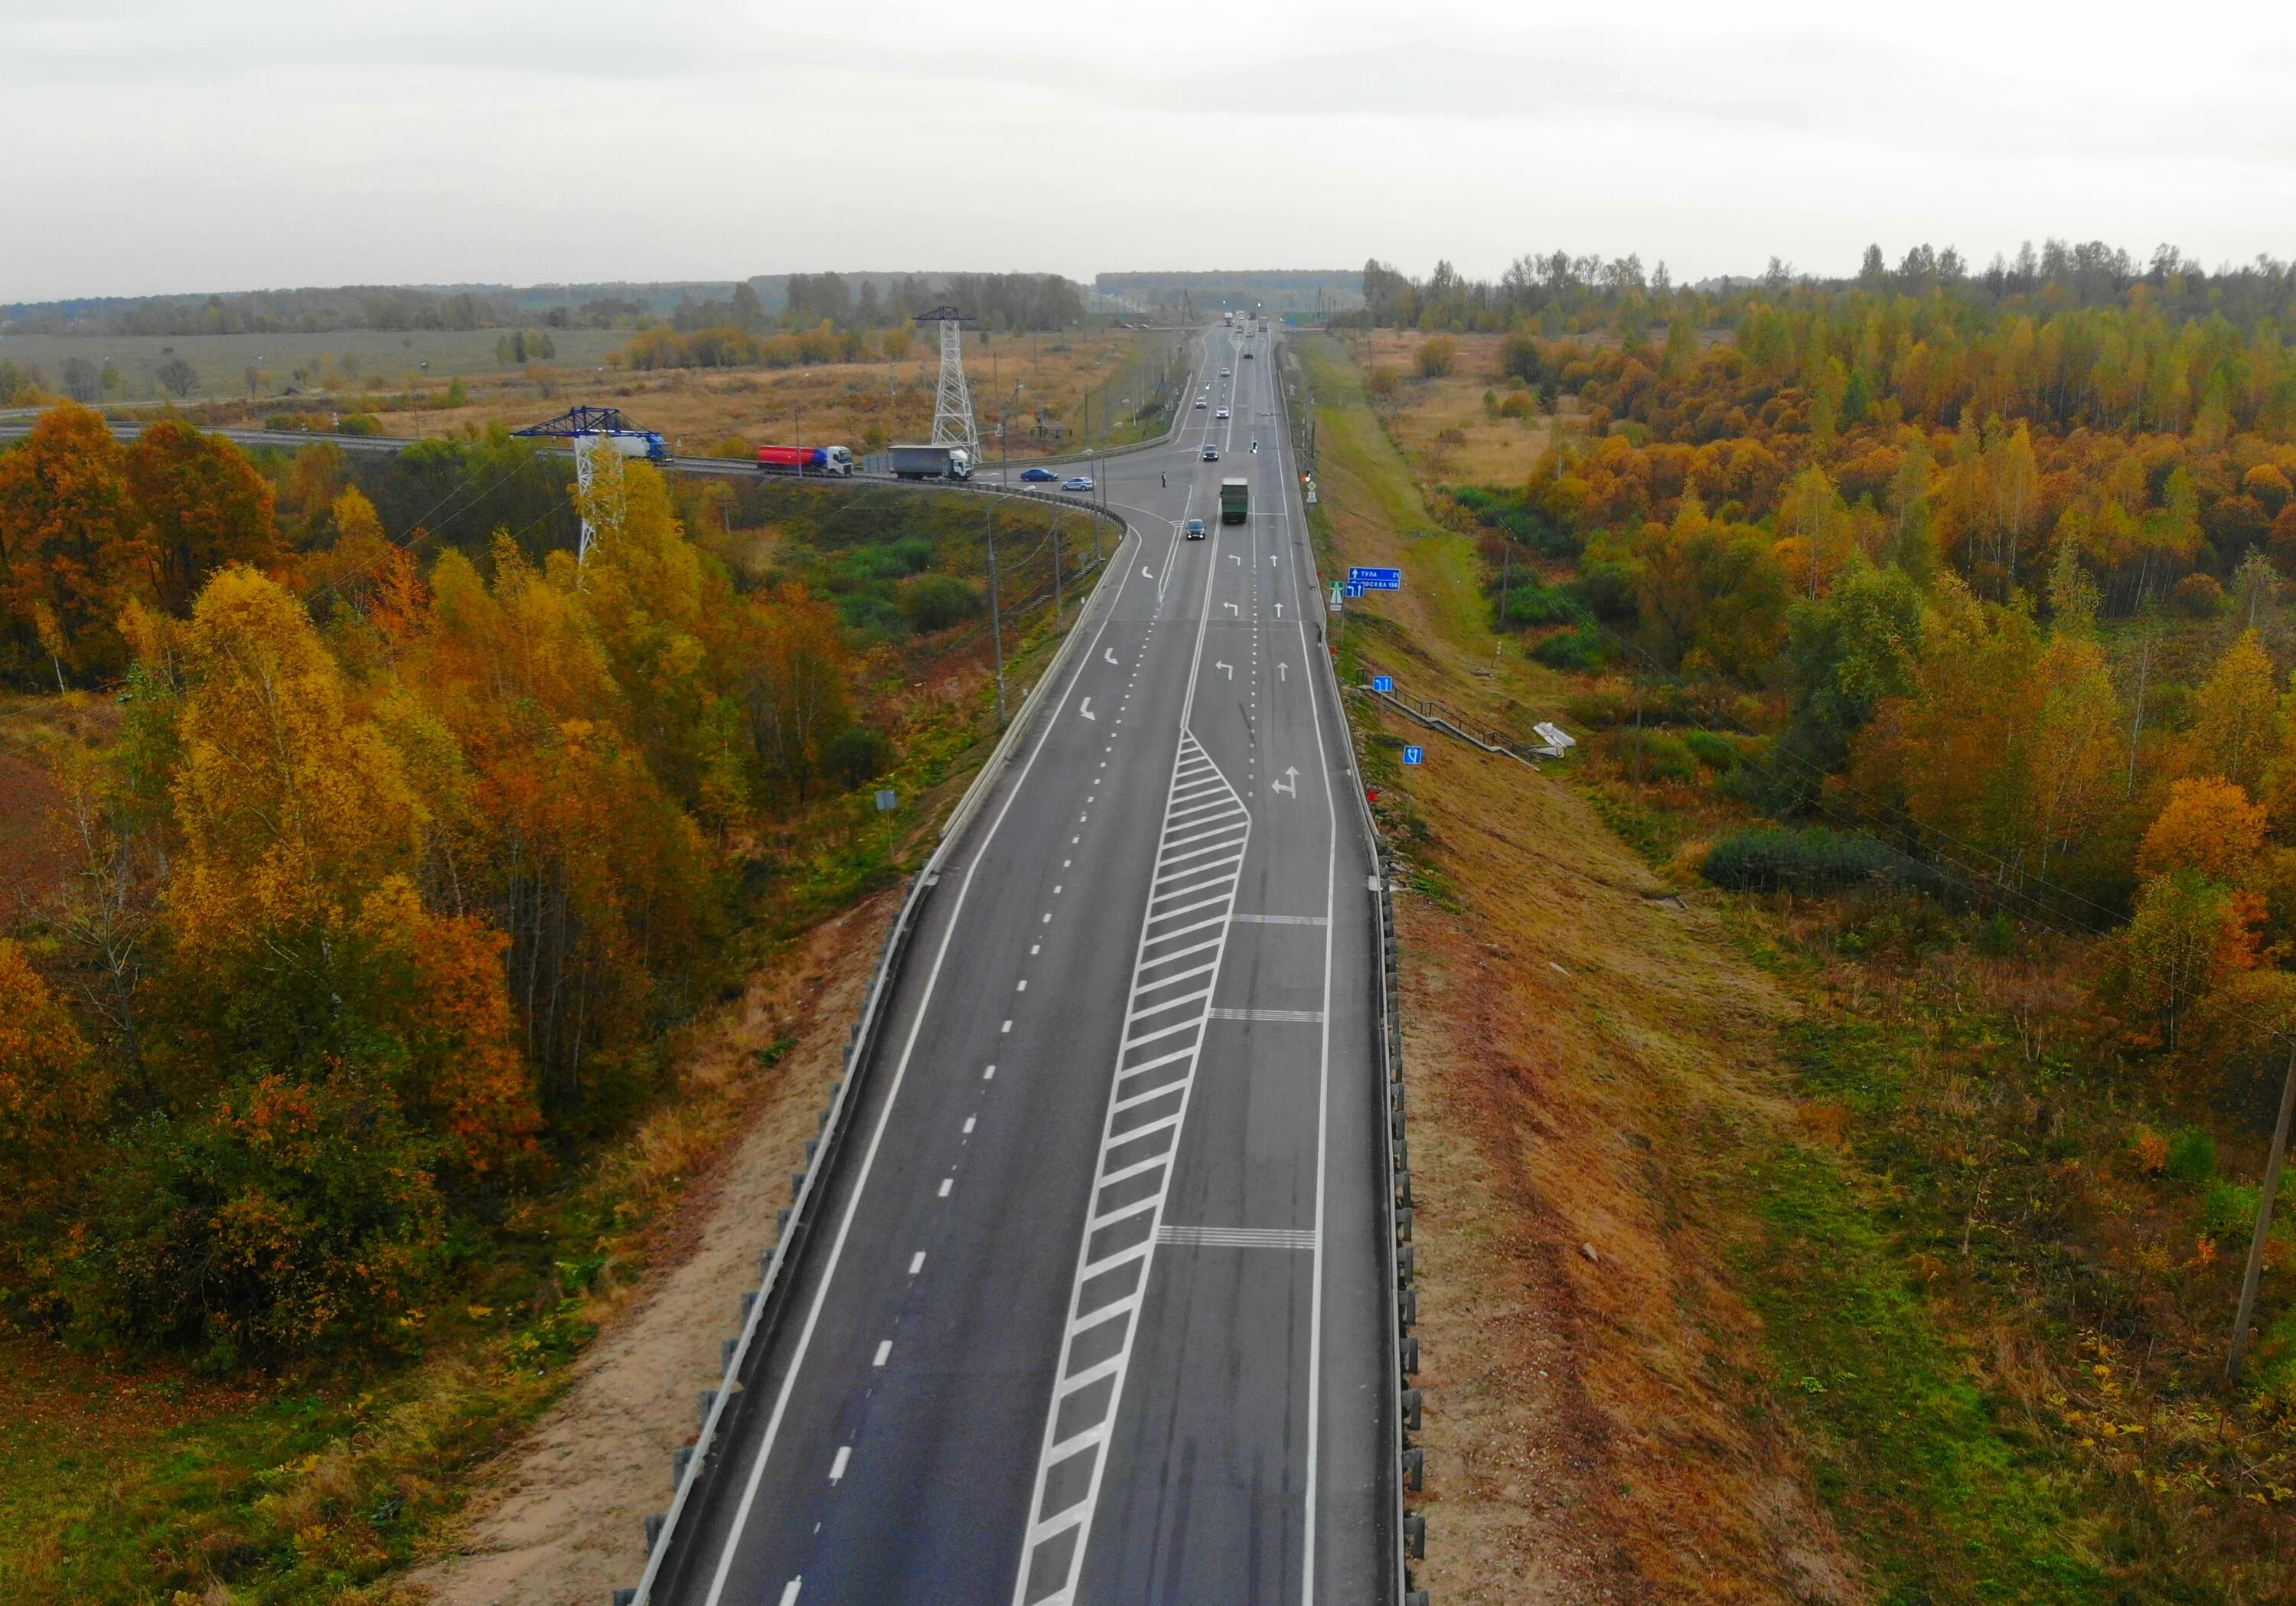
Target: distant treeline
1003 300
1565 293
1287 290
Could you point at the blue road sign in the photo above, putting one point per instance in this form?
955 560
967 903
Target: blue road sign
1376 580
1382 682
1414 755
1354 589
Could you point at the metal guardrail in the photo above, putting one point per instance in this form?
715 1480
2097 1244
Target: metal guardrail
1435 716
764 1309
1409 1528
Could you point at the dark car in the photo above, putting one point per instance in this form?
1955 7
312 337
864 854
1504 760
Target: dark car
1039 475
1211 452
1195 530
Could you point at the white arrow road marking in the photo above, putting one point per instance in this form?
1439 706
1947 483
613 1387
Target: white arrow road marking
1292 786
1283 671
1279 610
1230 668
1085 709
1235 557
1232 608
1112 655
1144 572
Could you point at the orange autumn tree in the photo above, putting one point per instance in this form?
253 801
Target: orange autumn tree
203 506
72 551
340 1057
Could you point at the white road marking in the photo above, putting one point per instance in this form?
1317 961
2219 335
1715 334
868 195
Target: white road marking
789 1594
989 1074
869 1159
1007 1026
1024 987
1111 1246
1308 1016
1085 710
1238 1238
837 1468
1281 920
969 1121
884 1349
947 1183
917 1260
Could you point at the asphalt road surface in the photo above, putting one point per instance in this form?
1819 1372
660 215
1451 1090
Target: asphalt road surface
1097 1306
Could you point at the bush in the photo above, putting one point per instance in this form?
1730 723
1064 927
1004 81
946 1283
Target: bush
1813 862
1436 356
2228 1212
2199 597
934 602
1715 752
1535 603
1663 756
858 755
1582 649
2191 1158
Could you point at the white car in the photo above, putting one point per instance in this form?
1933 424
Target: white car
1224 372
1201 404
1221 413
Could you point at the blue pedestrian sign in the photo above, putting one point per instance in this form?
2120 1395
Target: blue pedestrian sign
1376 580
1382 682
1414 755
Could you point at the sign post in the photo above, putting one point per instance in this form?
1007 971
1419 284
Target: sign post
1376 580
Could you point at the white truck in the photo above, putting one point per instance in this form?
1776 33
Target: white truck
932 462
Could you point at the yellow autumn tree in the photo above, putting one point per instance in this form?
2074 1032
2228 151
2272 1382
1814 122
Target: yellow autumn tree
2208 824
291 810
2236 723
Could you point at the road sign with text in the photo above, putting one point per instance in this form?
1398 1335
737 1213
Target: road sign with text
1376 580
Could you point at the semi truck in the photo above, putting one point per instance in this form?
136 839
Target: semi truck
932 462
804 460
630 443
1235 501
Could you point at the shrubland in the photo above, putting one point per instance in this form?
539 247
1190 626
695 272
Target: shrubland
377 856
1943 619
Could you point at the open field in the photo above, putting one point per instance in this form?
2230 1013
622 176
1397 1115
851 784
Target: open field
341 359
1032 387
1444 427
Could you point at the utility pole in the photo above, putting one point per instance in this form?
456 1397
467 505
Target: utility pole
1057 570
2263 1223
996 617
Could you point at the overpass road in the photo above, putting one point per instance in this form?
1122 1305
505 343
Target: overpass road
1097 1305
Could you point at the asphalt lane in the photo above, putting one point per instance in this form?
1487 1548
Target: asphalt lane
1096 1309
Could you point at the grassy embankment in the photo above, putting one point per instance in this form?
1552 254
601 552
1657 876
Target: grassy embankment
142 1480
1674 1345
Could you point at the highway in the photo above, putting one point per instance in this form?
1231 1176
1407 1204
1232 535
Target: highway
1097 1305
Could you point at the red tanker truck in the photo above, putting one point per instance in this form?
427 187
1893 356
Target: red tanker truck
804 460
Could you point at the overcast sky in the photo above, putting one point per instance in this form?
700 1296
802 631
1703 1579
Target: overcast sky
228 145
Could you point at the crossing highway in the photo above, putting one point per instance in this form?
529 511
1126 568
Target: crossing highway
1097 1306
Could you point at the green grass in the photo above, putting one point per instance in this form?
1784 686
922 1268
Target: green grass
1942 1499
1439 564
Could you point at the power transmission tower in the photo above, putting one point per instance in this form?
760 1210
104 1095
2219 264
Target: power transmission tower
953 424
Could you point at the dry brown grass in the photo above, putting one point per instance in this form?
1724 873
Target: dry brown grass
1425 415
704 410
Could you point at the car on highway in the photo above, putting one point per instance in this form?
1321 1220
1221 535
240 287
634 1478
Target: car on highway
1247 356
1211 452
1201 404
1221 413
1039 475
1224 372
1196 530
1081 482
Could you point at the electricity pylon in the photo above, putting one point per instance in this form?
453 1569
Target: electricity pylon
953 423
